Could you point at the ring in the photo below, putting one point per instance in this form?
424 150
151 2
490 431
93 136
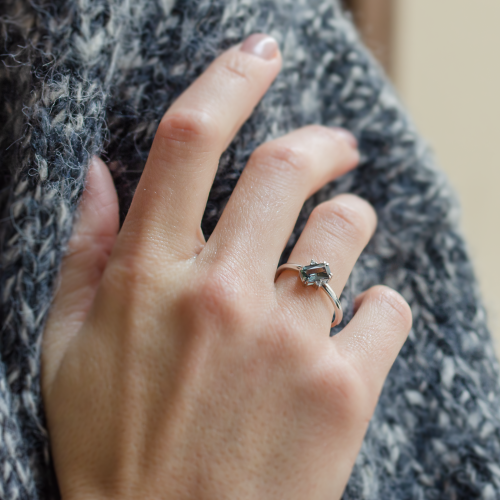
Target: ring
319 275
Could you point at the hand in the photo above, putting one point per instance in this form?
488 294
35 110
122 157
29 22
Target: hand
176 368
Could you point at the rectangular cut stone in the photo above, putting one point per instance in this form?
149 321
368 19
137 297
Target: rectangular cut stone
315 274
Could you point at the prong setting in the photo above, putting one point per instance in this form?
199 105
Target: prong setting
319 275
315 273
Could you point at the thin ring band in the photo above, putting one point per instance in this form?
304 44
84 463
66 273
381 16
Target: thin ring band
337 306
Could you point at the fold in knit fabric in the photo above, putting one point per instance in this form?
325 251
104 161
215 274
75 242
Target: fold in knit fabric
85 77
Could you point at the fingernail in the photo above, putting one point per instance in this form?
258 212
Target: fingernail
261 45
347 136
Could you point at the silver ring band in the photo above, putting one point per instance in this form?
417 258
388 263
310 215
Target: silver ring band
319 276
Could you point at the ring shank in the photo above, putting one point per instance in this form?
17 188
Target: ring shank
337 306
286 267
338 312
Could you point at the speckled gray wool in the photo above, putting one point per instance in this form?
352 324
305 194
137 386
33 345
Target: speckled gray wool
84 77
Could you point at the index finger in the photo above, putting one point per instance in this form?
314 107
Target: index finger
171 197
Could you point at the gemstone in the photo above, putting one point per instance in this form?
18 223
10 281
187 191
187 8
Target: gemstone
315 274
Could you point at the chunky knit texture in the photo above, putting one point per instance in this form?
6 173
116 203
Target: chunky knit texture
85 77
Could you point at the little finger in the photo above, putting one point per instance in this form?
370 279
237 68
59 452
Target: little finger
375 335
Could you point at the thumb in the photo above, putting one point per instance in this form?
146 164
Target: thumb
88 252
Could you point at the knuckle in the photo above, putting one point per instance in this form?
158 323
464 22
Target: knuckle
235 66
218 300
281 158
352 215
393 304
338 388
127 281
188 127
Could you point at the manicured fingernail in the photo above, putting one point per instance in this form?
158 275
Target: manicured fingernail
261 45
347 136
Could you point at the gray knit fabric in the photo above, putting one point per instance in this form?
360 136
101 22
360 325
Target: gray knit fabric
85 77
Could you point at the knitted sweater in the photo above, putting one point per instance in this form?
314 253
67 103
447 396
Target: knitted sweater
93 77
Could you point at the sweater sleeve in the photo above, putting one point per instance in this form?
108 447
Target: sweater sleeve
85 78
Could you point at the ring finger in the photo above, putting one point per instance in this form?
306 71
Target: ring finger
337 232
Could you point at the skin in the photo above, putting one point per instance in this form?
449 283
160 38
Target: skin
176 368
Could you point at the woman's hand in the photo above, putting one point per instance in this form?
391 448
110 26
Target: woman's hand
177 368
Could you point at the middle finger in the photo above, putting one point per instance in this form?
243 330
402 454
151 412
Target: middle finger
280 176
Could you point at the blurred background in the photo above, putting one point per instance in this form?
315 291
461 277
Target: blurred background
444 59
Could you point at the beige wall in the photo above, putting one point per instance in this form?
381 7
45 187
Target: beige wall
447 70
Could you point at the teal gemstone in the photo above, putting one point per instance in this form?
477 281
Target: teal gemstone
315 274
